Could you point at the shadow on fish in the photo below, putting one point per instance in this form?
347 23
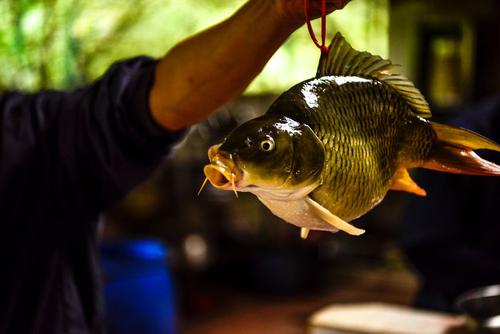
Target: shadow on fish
328 149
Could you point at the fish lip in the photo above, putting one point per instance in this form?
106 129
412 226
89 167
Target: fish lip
222 172
219 176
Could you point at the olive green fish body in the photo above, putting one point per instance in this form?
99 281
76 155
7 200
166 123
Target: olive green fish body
368 132
328 149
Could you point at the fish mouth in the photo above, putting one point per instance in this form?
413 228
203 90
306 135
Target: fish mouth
219 176
222 171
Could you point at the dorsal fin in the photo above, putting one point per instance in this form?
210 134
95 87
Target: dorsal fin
343 60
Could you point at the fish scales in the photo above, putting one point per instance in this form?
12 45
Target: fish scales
367 123
328 149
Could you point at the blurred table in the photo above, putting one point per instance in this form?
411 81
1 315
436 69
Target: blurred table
257 314
373 318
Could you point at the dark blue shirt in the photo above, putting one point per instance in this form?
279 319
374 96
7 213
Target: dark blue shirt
64 157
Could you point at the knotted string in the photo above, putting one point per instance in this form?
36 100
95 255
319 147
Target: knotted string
322 46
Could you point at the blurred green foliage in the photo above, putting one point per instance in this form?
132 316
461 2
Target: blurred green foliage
65 43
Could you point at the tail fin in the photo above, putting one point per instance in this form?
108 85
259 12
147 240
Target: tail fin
453 152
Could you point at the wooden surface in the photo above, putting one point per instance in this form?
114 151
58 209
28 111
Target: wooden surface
252 314
373 318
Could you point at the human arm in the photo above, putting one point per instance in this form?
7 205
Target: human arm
208 69
102 138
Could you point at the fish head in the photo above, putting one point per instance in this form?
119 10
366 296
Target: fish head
269 152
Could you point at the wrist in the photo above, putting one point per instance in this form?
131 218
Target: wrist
274 15
287 16
265 20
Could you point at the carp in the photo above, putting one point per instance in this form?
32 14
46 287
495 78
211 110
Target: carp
328 150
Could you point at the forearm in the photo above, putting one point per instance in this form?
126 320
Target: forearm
208 69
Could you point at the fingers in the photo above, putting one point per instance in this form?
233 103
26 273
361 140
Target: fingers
339 4
336 4
331 5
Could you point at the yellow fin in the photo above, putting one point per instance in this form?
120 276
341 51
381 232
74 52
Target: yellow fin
304 232
343 60
402 181
331 219
463 138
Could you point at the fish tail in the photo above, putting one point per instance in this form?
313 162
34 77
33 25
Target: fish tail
452 152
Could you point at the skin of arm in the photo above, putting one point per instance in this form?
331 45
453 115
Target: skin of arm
208 69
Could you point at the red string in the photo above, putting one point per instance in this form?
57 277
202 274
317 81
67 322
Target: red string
322 46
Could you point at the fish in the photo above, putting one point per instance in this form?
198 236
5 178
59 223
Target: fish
329 149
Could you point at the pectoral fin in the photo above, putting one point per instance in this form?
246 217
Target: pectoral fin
304 232
402 181
331 219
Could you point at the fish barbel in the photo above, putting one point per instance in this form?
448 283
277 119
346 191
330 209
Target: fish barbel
328 149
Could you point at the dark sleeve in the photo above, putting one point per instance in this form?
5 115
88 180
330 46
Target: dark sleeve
87 148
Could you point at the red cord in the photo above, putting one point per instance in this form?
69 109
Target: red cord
322 46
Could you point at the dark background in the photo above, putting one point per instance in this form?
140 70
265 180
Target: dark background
236 265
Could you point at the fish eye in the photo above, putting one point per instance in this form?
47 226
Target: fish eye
267 145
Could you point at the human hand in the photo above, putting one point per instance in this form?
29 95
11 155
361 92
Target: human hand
293 10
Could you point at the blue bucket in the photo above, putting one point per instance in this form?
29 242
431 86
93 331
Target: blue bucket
138 289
